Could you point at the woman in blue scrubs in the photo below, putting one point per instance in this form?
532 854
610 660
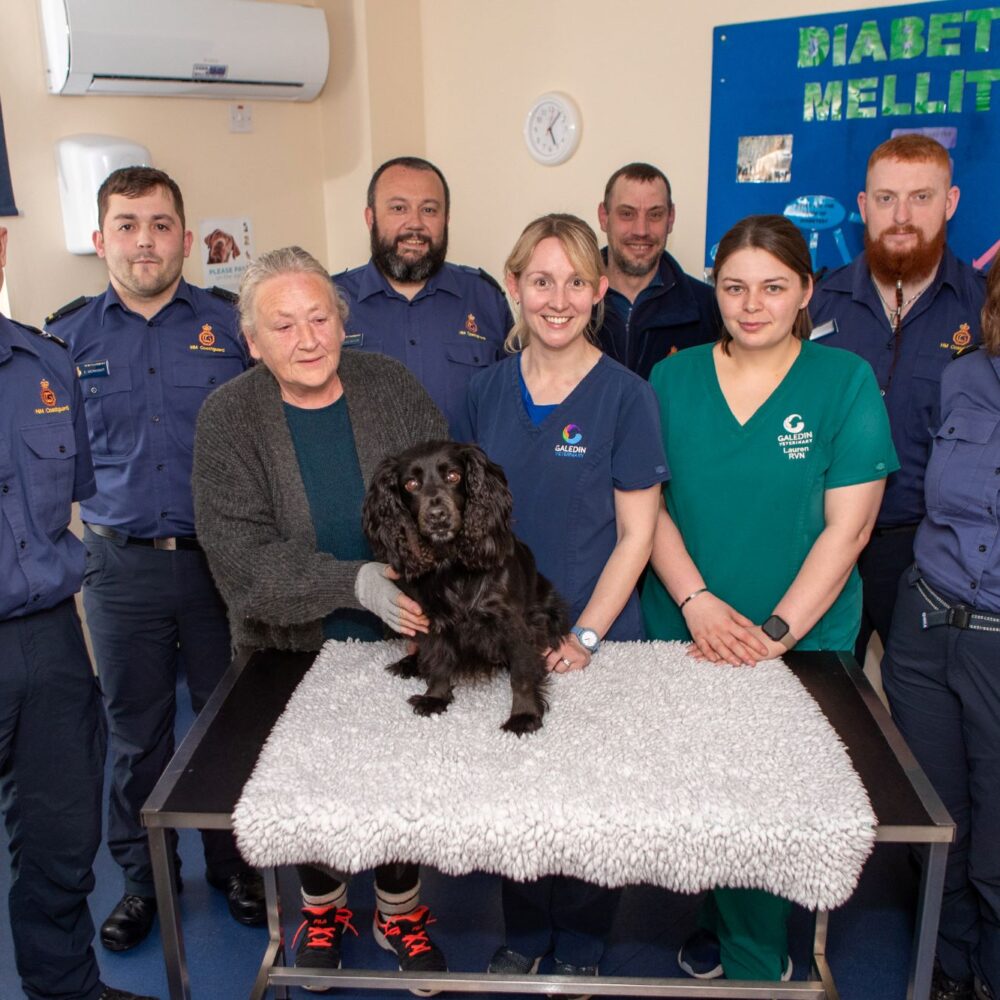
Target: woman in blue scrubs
578 437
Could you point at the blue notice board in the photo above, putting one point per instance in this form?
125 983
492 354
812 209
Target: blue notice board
799 104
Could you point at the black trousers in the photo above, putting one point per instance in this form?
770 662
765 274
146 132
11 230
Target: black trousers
153 615
943 685
881 564
52 745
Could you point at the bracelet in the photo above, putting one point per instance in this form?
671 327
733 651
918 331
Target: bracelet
704 590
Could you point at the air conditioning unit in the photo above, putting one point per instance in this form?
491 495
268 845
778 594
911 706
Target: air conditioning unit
185 48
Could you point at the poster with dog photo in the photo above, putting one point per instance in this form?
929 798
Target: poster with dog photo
226 250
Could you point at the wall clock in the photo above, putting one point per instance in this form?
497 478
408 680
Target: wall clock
552 128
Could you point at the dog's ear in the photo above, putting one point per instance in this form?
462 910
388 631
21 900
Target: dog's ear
486 539
389 525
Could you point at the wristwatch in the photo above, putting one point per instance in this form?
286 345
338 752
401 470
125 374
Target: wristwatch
777 629
589 639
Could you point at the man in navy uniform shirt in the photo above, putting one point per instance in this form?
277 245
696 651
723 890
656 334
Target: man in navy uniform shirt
148 351
52 729
652 308
906 305
444 321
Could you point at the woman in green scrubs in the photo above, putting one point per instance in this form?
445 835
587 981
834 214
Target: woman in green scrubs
779 449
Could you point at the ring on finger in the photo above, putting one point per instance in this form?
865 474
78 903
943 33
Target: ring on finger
568 663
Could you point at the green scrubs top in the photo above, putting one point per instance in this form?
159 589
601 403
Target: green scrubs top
748 499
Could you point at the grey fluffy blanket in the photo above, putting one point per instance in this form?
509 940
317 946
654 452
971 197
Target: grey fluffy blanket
651 767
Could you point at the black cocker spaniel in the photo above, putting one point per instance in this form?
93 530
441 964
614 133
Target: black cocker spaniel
440 515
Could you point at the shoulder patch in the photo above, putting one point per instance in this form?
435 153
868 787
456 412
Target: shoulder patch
70 307
489 279
224 293
45 335
971 349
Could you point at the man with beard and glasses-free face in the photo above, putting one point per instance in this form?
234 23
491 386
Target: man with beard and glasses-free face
907 305
652 308
148 351
444 321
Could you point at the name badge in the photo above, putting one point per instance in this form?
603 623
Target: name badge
819 332
354 339
93 369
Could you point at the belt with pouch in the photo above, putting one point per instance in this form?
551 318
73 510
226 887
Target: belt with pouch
164 544
959 616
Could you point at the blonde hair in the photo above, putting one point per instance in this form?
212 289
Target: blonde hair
580 245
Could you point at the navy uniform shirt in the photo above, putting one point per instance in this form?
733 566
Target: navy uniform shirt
143 383
847 312
44 467
672 312
958 544
452 328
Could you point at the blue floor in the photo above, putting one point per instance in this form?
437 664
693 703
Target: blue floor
869 945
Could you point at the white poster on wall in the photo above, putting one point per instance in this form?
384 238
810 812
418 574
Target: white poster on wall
226 247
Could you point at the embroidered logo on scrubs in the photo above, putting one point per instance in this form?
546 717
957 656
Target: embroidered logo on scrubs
49 402
796 440
471 328
572 448
962 337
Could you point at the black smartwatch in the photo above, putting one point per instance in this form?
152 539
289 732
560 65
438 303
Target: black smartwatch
776 628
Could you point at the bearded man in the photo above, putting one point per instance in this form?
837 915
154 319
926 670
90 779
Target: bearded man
444 321
652 308
907 305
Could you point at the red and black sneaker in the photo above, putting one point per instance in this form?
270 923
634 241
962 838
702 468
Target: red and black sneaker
406 935
319 937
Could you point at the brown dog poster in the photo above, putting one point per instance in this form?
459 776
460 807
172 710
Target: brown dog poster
226 250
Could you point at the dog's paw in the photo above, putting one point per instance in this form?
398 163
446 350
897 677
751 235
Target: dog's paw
425 704
406 667
522 723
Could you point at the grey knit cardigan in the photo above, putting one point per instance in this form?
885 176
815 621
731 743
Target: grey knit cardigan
251 511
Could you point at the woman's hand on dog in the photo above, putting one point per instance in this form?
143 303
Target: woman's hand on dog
569 655
377 593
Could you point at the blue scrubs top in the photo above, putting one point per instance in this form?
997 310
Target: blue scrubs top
452 328
847 312
143 383
958 544
563 473
44 467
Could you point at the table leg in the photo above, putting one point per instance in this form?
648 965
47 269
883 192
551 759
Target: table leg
928 915
171 936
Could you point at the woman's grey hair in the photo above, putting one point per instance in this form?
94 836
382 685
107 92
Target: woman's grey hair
273 264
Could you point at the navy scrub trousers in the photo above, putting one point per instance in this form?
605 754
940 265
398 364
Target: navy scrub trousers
943 684
152 614
52 745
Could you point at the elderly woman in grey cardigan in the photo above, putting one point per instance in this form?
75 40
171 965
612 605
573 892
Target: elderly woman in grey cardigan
282 457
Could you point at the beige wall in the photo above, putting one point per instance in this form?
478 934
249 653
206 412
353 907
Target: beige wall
447 79
274 174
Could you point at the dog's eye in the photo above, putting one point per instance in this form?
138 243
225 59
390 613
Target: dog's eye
453 476
411 485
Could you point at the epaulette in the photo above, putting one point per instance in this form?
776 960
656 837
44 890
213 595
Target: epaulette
489 279
971 349
45 335
224 293
65 310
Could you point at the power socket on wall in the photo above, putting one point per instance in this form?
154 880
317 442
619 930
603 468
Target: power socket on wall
240 118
